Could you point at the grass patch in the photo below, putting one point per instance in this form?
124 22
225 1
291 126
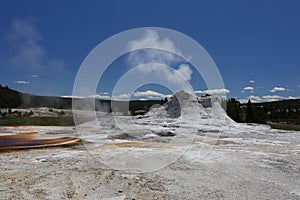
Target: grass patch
37 121
288 127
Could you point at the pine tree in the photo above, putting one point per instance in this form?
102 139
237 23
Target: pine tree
233 109
250 115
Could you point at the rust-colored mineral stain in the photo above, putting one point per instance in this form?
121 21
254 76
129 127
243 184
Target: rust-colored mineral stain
16 126
25 141
21 135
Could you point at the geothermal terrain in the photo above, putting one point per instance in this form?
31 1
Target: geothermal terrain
182 150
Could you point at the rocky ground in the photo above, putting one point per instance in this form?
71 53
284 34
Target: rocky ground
240 166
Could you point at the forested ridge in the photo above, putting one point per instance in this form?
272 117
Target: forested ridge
13 99
287 111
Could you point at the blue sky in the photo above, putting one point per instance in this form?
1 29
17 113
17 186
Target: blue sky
255 44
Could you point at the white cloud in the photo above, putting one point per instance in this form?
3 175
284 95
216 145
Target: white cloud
27 51
153 59
104 93
96 96
99 96
291 97
179 78
70 96
34 76
249 88
151 39
121 97
254 98
244 100
298 85
149 93
266 98
213 91
251 81
278 89
272 97
185 71
270 100
22 82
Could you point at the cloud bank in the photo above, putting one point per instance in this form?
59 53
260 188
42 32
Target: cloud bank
213 91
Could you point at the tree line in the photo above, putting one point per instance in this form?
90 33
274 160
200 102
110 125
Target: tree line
287 111
280 111
9 98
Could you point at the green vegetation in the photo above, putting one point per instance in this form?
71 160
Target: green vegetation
280 112
9 98
234 110
37 121
136 106
282 126
13 99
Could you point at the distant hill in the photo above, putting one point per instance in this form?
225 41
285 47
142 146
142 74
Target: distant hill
13 99
287 111
281 111
9 98
283 104
33 101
